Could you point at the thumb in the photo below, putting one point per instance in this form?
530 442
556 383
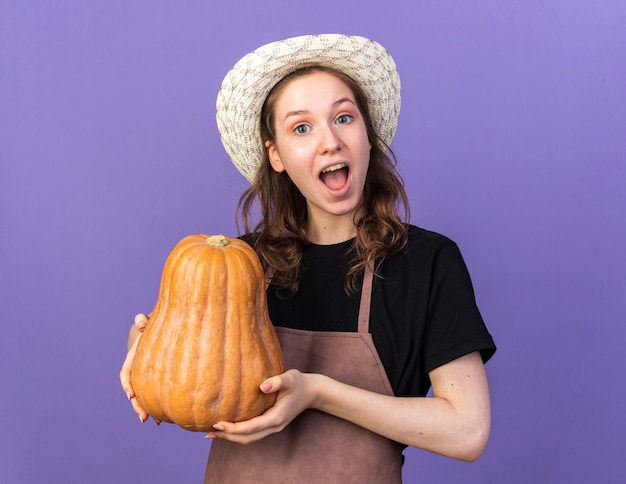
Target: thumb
271 385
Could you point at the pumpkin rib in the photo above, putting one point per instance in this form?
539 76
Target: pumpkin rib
168 392
257 336
236 337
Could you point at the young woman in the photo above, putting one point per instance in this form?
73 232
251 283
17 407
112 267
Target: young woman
371 311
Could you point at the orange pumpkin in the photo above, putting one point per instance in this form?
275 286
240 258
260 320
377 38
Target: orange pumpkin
209 343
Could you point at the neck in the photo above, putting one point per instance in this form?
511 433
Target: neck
331 230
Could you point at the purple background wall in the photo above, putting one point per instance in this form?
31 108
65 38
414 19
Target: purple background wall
511 140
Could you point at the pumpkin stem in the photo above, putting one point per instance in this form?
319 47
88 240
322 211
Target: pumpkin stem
217 241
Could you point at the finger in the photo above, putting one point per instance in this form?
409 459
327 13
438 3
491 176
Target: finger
272 384
141 320
126 369
125 380
143 415
239 438
268 421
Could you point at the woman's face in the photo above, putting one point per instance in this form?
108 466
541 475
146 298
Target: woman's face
321 142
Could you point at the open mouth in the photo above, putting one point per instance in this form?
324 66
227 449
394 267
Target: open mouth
335 176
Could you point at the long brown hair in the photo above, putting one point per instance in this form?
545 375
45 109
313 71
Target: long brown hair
279 235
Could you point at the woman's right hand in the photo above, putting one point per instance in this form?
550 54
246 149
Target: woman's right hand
133 339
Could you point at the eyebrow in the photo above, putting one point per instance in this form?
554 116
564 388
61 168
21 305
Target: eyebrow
338 102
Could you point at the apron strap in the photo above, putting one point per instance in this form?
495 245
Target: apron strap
366 298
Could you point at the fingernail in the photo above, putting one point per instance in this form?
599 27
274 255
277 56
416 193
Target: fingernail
128 394
266 387
140 418
218 427
209 436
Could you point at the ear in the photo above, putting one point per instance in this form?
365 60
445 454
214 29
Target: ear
274 157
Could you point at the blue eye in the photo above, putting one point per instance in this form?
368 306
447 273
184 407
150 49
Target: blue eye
344 119
301 129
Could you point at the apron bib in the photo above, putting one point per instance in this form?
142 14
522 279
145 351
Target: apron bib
317 447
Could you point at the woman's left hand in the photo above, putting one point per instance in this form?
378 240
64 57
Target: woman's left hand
296 393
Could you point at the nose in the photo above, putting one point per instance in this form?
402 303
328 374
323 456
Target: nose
329 140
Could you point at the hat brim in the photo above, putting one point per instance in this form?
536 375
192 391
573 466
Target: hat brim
249 82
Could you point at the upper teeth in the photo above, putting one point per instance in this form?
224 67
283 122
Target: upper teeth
338 166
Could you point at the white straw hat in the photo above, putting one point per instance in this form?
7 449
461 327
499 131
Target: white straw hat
249 82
